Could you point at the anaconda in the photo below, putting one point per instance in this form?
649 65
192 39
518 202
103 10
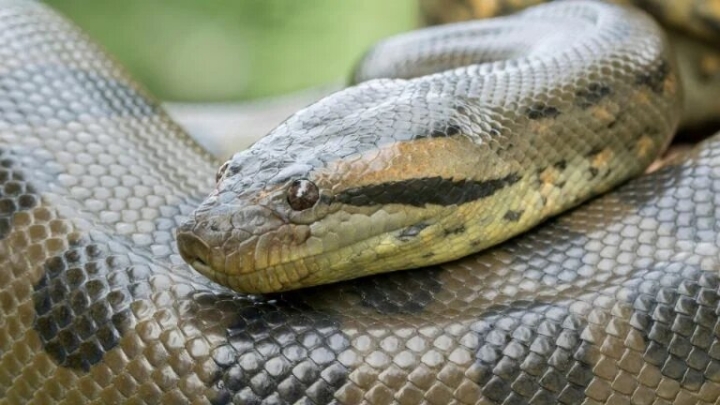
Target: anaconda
529 115
615 302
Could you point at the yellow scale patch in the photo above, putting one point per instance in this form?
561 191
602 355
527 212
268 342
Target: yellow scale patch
645 145
600 161
710 65
548 189
602 114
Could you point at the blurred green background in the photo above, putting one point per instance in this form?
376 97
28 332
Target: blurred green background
232 50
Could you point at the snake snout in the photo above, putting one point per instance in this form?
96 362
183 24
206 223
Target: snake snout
195 252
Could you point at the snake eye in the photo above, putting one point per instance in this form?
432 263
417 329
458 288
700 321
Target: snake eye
221 171
302 194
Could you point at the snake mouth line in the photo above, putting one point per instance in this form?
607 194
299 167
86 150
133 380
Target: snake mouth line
275 271
201 266
204 268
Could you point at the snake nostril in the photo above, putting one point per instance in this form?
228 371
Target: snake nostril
194 251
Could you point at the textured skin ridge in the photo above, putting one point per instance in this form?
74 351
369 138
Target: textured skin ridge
613 303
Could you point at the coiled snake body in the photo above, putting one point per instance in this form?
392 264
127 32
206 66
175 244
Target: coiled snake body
570 100
612 303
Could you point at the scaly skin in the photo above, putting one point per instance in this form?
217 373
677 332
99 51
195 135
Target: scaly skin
700 18
693 28
529 116
613 303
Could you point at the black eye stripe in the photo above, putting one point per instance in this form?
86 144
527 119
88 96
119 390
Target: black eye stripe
422 191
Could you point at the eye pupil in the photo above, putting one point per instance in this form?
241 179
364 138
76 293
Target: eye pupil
302 194
221 171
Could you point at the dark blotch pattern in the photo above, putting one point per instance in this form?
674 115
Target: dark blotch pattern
532 353
412 231
404 292
513 216
419 192
540 111
593 152
672 325
16 194
440 132
654 79
600 310
592 95
82 304
279 351
458 230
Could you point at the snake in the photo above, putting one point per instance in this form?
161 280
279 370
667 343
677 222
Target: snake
397 174
613 302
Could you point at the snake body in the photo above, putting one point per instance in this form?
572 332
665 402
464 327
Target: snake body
528 116
616 302
693 28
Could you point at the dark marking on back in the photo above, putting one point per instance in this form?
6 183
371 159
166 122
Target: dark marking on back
592 95
594 151
593 172
402 292
540 111
532 350
412 231
655 78
16 194
427 190
442 132
673 320
452 129
513 216
265 360
81 311
560 164
455 231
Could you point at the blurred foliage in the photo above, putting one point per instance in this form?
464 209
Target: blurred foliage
222 50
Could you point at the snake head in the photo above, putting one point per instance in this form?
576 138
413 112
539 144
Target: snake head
329 196
251 224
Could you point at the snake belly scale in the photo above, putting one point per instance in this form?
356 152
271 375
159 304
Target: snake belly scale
616 302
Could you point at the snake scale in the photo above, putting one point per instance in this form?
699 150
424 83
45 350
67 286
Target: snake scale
464 158
615 302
